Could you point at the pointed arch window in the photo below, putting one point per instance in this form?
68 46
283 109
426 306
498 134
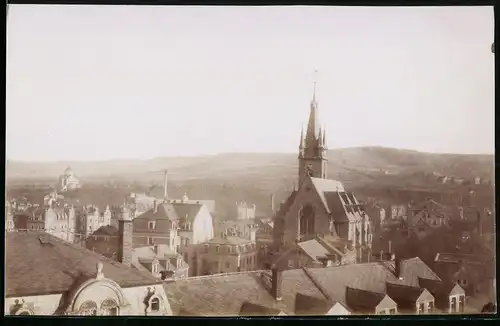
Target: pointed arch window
306 221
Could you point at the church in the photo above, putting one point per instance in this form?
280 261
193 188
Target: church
320 208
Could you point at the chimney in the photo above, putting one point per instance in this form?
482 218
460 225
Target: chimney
124 254
155 206
390 247
397 267
276 283
272 203
165 186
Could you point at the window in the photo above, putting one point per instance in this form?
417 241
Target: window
381 312
88 308
151 225
420 308
150 241
217 249
461 303
154 268
290 263
109 308
206 248
453 304
24 313
155 304
227 264
430 306
392 311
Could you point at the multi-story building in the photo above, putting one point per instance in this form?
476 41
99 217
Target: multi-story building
68 181
227 253
9 219
427 216
55 217
320 206
245 211
179 224
160 261
383 288
90 219
71 280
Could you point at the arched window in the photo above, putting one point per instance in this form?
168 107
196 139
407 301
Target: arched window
88 308
24 313
155 304
109 307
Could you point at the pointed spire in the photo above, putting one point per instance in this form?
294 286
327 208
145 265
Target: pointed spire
320 137
312 126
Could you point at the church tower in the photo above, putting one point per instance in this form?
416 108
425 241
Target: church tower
312 149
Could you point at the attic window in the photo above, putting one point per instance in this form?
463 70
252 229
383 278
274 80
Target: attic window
217 249
155 304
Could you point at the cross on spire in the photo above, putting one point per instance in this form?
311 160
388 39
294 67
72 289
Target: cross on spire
315 78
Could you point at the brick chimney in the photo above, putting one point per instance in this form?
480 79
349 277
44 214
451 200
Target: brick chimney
397 267
124 254
276 283
155 206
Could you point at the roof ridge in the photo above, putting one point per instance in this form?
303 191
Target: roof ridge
316 284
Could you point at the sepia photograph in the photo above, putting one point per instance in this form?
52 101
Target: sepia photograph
249 161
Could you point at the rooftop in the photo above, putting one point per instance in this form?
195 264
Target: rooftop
38 263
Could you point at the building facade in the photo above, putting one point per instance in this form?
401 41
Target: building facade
320 206
68 181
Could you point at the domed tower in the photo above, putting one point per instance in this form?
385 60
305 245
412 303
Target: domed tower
69 172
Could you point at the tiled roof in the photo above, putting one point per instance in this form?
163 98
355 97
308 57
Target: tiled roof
38 263
172 212
224 295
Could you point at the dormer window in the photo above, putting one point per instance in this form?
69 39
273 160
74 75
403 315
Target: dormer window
151 225
155 304
420 308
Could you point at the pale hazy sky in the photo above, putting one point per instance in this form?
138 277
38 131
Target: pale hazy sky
100 82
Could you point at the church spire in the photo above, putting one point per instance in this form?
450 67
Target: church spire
313 126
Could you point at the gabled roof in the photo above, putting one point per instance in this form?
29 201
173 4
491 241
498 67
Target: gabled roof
310 305
361 300
38 263
406 296
172 212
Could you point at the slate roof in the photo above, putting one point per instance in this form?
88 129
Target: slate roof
146 255
106 230
172 211
362 300
225 294
252 309
405 296
369 276
38 263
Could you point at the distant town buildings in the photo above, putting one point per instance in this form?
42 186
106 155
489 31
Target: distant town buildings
68 181
245 211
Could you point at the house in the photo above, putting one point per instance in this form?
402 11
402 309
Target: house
427 216
104 241
350 289
160 261
57 218
177 224
474 273
90 218
227 253
48 276
245 211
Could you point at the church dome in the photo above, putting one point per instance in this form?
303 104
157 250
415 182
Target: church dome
68 172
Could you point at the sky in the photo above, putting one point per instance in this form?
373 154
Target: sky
104 82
